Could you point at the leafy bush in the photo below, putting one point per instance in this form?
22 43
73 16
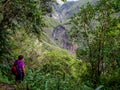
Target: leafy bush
111 79
58 71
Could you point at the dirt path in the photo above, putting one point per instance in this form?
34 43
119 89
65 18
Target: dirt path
6 87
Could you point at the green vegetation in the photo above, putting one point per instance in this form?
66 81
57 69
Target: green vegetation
26 27
57 70
97 33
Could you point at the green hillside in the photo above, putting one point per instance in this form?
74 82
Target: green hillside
26 28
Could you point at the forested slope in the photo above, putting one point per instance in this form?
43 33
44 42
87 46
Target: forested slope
26 28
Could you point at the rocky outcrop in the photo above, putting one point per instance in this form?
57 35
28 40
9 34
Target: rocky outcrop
61 38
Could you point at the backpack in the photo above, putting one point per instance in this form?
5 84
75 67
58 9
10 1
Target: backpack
14 70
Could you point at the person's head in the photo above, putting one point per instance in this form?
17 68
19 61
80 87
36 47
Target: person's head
20 57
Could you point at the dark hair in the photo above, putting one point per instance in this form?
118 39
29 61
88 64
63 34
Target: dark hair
20 57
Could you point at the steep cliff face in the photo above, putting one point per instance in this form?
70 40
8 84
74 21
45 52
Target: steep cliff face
61 38
63 13
68 9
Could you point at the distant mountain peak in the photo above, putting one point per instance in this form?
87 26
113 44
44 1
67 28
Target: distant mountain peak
69 8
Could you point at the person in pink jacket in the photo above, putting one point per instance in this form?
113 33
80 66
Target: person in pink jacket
20 69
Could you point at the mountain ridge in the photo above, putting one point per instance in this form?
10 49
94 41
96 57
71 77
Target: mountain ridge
69 8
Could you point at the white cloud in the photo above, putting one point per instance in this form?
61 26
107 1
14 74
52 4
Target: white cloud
60 2
72 0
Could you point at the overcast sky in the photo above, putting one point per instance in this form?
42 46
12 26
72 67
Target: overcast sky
72 0
60 2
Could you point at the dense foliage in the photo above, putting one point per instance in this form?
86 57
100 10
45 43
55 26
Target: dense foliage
58 70
16 15
96 30
21 24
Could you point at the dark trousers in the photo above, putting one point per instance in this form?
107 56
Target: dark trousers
20 76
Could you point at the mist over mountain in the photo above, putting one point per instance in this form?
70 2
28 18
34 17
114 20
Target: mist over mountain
62 13
68 9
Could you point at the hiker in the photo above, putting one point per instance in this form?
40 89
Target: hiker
20 65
